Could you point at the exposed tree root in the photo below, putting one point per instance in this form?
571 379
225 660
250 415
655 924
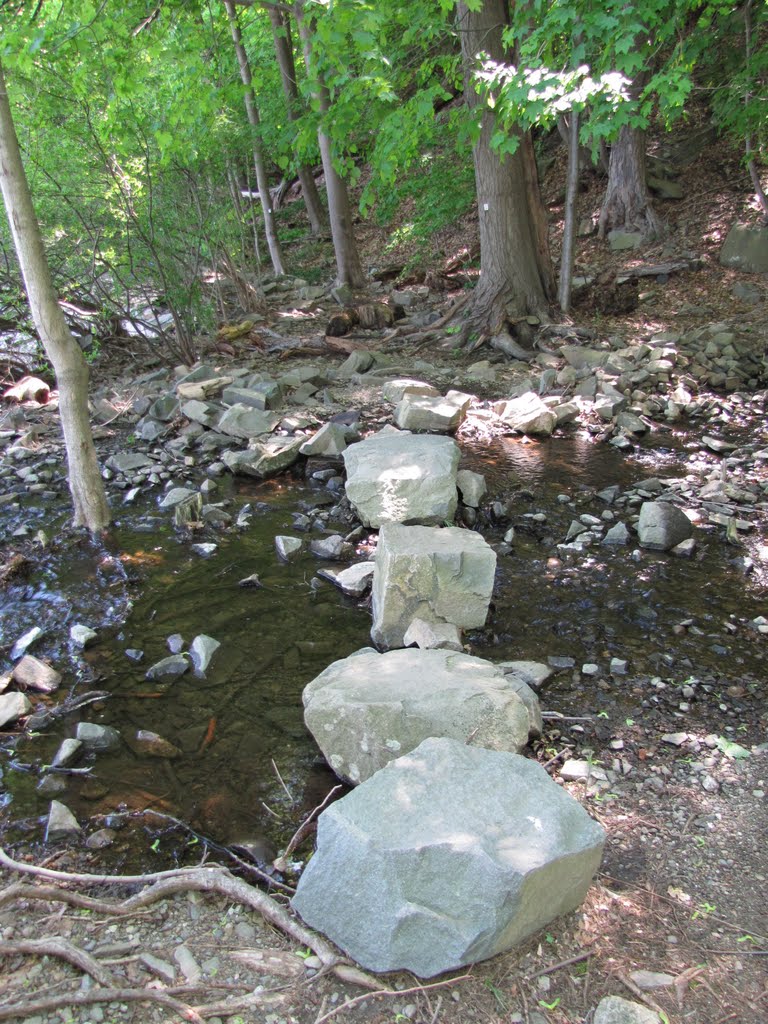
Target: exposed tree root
64 950
105 995
212 879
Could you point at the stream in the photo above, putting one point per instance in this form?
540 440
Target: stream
249 771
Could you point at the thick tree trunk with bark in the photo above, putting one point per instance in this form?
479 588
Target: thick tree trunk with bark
85 482
516 278
348 266
281 34
627 204
262 182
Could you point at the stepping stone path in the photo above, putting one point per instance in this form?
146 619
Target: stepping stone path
417 870
369 708
445 853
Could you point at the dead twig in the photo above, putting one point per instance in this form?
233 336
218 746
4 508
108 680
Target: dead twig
417 989
637 991
301 832
212 879
560 965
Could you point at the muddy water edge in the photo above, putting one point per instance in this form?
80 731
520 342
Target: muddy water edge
248 771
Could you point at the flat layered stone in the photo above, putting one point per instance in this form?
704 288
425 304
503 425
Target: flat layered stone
437 575
369 708
398 477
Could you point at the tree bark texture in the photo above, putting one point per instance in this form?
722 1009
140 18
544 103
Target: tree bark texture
348 266
627 204
252 112
85 482
516 278
571 212
281 35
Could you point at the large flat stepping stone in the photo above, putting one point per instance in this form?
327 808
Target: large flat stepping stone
369 708
449 855
431 574
398 477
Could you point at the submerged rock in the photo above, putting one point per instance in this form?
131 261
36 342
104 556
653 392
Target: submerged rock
168 668
98 737
201 651
449 855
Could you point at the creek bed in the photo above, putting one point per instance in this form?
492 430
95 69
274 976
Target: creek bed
248 769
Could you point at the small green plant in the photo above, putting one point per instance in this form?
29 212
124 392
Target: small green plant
155 846
453 329
550 938
550 1006
748 938
629 722
703 910
603 714
498 995
304 953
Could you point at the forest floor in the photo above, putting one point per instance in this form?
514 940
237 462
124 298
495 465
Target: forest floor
683 890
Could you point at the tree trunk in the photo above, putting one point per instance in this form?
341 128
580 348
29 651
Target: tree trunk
571 212
262 182
627 204
85 483
281 35
348 266
516 278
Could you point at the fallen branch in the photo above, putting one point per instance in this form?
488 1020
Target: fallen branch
64 950
301 832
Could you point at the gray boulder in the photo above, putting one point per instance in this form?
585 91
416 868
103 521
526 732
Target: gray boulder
662 526
201 651
395 390
354 580
330 440
244 421
472 487
12 707
369 708
264 459
433 636
61 822
427 573
288 547
397 477
449 855
432 415
527 414
168 668
746 248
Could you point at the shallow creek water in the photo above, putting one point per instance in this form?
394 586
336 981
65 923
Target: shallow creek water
248 767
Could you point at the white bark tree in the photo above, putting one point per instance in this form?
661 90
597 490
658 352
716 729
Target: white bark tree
66 357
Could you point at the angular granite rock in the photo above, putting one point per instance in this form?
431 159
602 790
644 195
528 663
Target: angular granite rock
397 477
432 574
449 855
662 526
369 708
